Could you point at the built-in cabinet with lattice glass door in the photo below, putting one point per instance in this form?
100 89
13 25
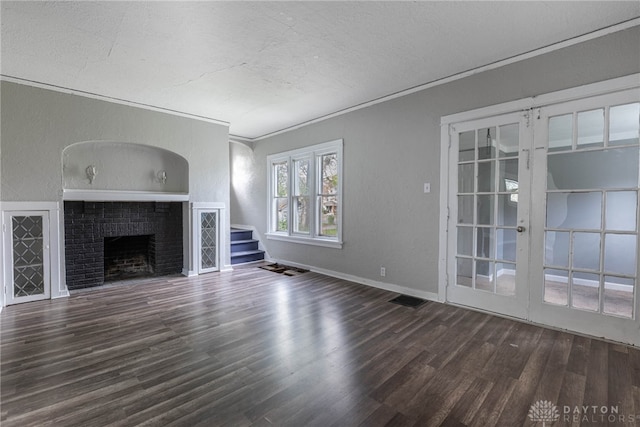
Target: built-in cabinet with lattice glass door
207 249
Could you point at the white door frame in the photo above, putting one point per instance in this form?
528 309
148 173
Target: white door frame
631 332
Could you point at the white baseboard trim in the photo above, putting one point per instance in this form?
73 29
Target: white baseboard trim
226 267
189 273
430 296
62 294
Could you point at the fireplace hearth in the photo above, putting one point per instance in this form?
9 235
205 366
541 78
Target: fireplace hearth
108 241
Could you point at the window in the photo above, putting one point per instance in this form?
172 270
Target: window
305 195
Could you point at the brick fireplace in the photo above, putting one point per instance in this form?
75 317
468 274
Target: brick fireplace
141 238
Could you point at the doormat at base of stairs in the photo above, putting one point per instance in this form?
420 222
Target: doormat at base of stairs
283 269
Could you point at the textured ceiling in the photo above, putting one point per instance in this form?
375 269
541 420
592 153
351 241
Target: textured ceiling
267 66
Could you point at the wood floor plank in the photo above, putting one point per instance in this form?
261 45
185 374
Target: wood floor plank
255 348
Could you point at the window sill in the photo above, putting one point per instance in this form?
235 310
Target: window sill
305 240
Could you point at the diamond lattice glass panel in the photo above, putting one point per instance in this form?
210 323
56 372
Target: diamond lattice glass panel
208 240
28 256
27 227
28 281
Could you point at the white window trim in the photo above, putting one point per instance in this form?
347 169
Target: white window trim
312 152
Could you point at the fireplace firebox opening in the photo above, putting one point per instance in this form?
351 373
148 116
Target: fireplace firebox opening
128 257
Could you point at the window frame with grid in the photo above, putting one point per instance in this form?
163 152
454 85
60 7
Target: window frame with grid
313 207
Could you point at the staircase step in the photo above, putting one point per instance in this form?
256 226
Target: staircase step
240 234
243 245
246 256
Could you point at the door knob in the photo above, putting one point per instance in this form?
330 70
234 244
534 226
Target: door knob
520 229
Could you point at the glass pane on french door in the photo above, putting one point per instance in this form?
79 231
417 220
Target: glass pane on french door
489 214
586 178
591 221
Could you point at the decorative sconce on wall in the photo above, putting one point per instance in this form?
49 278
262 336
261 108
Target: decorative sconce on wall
91 173
162 177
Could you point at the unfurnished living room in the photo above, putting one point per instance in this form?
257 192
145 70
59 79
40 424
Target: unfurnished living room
319 213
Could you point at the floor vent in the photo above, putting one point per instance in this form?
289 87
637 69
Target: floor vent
408 301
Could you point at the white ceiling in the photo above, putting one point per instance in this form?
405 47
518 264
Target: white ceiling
267 66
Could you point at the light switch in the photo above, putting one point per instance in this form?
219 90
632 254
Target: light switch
427 187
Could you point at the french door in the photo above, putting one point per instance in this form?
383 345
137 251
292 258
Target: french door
27 269
586 178
543 215
488 217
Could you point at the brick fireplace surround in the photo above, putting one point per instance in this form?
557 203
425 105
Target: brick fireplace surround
87 224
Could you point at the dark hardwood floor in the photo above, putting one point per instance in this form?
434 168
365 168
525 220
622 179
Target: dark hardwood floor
256 348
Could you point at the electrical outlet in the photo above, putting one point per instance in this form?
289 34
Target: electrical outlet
383 271
427 187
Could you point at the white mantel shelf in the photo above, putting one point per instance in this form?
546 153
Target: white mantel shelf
122 196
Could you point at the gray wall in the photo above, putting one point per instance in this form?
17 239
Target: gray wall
392 148
38 124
